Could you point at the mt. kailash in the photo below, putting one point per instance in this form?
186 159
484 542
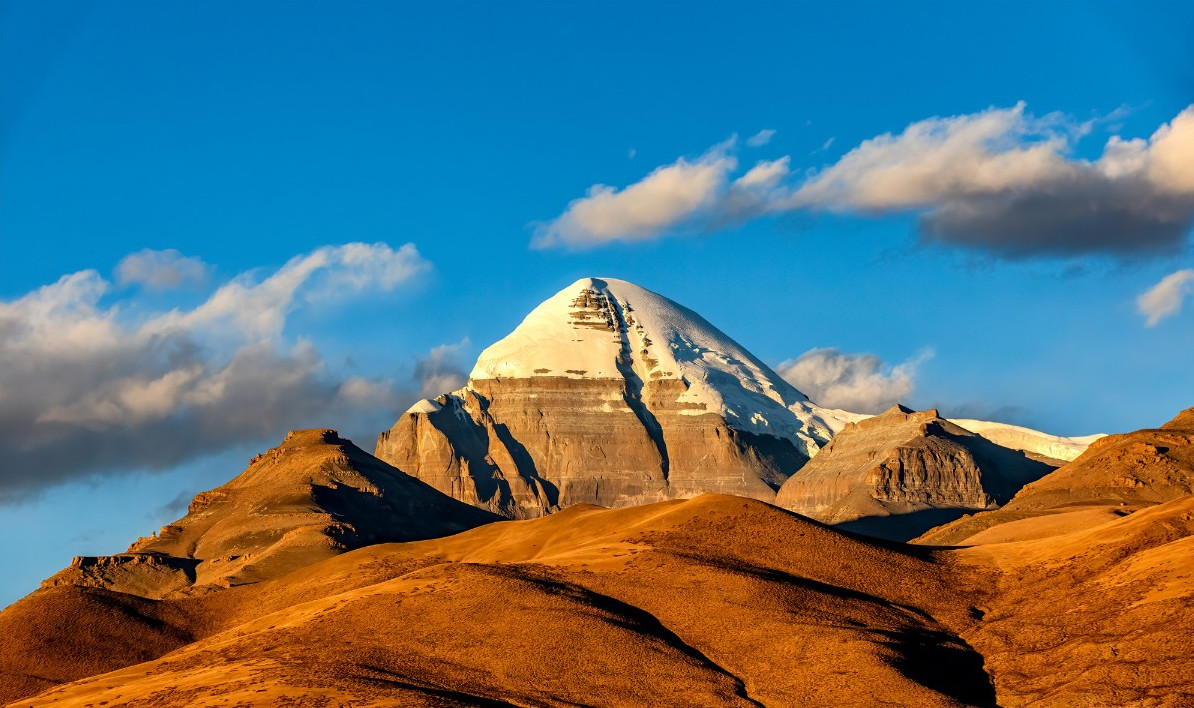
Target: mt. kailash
610 394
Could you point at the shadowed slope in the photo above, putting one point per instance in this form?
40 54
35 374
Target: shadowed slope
60 634
1097 617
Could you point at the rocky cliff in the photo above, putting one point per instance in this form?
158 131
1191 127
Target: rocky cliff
610 394
903 461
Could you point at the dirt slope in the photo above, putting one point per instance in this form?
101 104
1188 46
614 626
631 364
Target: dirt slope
314 496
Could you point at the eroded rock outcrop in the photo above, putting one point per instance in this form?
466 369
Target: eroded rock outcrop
610 394
903 461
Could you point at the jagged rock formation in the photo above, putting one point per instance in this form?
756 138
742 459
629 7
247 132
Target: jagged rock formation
610 394
314 496
1117 475
902 461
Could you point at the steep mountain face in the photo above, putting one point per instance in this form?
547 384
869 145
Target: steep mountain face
903 461
314 496
1117 475
610 394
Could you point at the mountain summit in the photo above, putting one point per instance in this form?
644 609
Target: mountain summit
611 394
602 328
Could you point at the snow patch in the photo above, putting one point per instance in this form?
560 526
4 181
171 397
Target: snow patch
1029 440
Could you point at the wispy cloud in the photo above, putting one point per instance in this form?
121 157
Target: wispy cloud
160 270
1165 298
696 195
860 383
1000 181
90 388
760 138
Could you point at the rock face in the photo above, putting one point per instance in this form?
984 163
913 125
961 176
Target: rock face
610 394
314 496
902 461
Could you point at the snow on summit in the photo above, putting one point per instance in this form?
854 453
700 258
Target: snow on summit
604 328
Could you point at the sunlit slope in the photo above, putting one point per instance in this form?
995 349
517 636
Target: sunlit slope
1097 617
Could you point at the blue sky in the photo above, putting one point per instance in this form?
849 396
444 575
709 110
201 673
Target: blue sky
233 138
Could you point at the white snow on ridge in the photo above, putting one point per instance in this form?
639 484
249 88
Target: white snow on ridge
425 405
603 328
1029 440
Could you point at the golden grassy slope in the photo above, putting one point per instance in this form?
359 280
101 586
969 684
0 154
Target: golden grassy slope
1102 616
716 601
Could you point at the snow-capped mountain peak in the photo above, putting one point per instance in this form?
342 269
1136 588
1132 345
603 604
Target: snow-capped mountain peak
604 328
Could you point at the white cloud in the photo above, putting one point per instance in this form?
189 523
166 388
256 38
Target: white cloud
89 388
760 138
662 200
1170 154
860 383
1165 298
160 270
938 158
355 267
258 309
1000 180
764 175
